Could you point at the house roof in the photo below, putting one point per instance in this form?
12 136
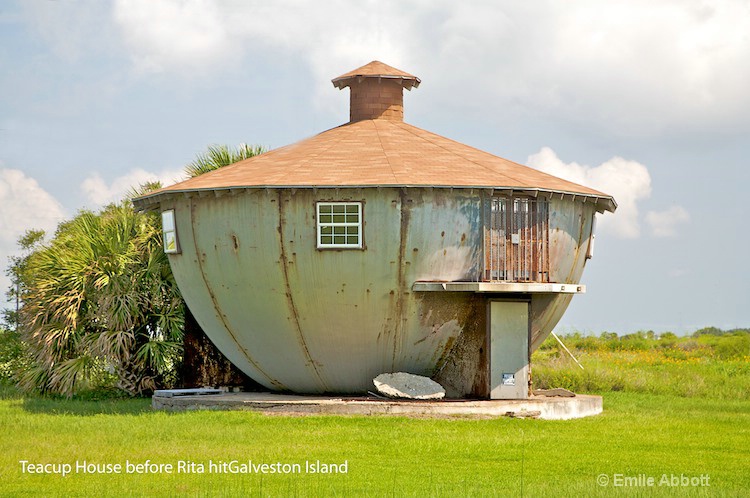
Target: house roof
376 69
378 153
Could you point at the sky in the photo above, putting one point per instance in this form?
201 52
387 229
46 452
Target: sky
648 101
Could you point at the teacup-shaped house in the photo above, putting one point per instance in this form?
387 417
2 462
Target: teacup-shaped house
379 247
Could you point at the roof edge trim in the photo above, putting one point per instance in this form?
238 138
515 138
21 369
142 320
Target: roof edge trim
406 82
151 201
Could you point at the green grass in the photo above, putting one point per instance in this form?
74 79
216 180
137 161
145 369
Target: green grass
637 434
673 407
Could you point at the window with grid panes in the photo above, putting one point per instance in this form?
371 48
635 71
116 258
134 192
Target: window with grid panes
339 225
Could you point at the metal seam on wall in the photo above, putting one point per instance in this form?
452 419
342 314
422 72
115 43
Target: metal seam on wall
216 304
401 278
290 299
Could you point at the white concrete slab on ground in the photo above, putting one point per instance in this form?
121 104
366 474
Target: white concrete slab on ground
556 408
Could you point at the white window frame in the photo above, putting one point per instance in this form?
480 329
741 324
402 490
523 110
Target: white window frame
590 250
169 232
327 227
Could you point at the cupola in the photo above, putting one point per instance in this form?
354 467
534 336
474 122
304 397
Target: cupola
377 91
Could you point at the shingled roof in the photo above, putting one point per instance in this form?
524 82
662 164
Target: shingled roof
378 153
376 69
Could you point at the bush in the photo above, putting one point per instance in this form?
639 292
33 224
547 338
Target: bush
708 331
735 346
100 301
668 340
12 355
609 336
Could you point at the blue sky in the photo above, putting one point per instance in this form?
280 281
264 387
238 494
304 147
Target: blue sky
645 100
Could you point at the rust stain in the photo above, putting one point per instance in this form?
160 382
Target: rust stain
220 313
398 310
461 362
447 349
290 299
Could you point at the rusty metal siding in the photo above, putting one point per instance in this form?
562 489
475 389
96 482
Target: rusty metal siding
294 317
190 274
441 240
570 230
445 229
298 318
343 297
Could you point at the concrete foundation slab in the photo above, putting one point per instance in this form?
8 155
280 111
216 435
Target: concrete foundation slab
168 393
555 408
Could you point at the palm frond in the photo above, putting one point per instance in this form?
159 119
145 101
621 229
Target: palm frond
218 156
102 288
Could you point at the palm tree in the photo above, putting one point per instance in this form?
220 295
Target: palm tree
100 297
16 271
218 156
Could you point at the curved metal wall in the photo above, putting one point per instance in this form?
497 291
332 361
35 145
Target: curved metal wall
297 318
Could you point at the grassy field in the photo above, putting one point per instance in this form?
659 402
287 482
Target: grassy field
690 442
706 365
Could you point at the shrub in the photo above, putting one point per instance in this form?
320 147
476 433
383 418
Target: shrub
734 346
100 299
12 355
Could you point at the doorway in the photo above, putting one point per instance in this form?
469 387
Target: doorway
509 349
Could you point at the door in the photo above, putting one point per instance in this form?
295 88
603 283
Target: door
509 349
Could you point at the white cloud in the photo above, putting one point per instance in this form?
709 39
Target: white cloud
665 223
627 181
100 193
169 34
635 66
25 206
198 37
